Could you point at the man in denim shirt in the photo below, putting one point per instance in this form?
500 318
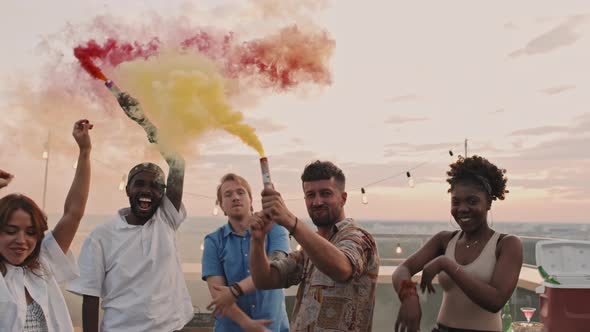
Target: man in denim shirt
226 266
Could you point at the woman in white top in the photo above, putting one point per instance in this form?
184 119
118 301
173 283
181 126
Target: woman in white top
478 268
32 263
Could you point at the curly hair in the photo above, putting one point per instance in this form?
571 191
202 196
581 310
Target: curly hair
479 171
8 205
323 170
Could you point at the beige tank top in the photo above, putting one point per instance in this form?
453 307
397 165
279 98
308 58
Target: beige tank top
457 310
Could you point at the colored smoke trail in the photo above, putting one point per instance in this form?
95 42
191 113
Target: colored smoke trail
286 59
185 95
65 91
111 53
188 97
214 46
280 61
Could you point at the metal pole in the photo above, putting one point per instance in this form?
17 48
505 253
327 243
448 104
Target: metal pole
46 170
466 148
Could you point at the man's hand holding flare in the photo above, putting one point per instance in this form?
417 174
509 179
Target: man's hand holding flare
260 225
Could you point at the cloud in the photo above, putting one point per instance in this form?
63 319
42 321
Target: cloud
544 130
510 26
581 125
559 178
558 89
408 149
265 125
399 119
404 98
297 141
562 35
564 150
420 147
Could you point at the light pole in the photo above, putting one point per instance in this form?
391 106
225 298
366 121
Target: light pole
466 148
46 158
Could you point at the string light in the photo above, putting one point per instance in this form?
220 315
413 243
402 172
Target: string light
298 248
398 249
216 208
364 196
123 182
410 179
202 246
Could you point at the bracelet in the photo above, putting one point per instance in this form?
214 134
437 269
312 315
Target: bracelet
238 288
407 288
292 232
231 290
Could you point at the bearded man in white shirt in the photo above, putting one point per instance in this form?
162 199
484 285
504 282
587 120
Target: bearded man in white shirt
131 263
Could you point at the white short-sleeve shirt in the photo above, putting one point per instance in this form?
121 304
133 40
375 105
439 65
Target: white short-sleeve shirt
136 272
56 268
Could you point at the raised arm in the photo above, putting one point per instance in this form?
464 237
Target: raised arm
75 204
175 181
325 256
263 275
5 178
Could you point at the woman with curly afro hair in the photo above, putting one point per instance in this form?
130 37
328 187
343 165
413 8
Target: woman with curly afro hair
477 267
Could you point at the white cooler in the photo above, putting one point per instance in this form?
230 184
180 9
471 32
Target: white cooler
565 307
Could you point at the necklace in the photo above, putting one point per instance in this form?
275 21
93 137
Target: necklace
472 244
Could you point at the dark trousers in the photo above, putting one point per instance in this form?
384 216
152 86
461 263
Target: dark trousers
442 328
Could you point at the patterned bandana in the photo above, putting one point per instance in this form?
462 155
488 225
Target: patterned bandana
147 167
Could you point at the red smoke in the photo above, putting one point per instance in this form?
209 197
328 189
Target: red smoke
286 59
112 53
279 61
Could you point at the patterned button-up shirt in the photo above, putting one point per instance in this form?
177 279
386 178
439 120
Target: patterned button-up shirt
323 304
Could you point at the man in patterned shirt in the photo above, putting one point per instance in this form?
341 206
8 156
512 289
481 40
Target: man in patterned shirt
338 265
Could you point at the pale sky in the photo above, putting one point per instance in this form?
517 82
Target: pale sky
411 80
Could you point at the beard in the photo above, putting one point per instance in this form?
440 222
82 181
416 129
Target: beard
324 218
141 214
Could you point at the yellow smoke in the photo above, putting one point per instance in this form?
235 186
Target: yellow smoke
184 96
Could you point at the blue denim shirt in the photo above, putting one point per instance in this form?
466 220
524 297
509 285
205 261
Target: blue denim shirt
226 254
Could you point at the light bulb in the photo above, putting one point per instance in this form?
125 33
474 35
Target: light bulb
398 249
202 246
298 248
410 180
364 197
216 208
122 183
46 148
